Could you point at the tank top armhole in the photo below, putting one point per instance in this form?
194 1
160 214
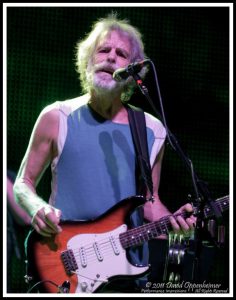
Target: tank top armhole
65 108
62 131
159 132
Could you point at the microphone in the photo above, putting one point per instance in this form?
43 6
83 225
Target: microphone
124 73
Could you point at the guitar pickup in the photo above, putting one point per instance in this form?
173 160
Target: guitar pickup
114 245
69 261
97 251
83 257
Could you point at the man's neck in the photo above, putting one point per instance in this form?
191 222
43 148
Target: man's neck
109 106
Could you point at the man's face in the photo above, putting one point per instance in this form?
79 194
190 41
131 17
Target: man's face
112 52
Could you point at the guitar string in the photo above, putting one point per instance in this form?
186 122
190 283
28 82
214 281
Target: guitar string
104 250
99 241
107 252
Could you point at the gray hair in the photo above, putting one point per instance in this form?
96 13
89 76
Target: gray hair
85 48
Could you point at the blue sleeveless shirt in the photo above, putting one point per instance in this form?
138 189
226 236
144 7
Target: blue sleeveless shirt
95 168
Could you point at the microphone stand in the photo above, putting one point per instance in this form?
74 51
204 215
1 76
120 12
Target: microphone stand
200 187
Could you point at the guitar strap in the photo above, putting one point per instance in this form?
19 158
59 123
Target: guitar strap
139 135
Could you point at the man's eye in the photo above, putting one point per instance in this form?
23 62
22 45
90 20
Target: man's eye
103 50
122 54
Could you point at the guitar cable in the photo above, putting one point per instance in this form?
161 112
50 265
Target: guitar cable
40 282
64 288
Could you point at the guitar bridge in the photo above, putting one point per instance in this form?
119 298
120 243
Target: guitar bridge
69 261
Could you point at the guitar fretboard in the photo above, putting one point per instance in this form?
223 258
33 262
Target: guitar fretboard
141 234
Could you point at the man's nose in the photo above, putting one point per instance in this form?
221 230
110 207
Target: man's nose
111 57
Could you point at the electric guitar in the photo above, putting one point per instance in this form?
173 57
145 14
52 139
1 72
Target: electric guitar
90 254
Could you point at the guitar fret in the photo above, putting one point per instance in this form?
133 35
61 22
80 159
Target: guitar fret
164 226
136 236
152 230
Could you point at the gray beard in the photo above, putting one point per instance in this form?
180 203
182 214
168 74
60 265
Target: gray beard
104 88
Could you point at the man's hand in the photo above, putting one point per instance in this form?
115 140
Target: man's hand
181 225
46 220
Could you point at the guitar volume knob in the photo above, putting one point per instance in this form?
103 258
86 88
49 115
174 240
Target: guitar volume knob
84 286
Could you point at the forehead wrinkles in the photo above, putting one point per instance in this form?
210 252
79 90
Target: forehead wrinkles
115 39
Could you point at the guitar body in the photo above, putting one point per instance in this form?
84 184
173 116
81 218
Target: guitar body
92 250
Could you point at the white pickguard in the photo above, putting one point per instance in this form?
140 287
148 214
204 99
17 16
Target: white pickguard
100 257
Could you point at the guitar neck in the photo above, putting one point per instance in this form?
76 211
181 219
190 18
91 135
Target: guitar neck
141 234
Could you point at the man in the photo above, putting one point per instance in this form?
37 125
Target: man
88 143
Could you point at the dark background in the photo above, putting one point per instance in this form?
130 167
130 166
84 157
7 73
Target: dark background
190 49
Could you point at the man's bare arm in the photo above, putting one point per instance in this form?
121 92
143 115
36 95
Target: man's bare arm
40 152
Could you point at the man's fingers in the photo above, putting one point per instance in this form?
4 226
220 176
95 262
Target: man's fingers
184 226
191 222
174 224
180 225
46 221
41 227
52 221
188 207
36 227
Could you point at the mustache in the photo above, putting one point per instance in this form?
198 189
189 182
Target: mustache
106 67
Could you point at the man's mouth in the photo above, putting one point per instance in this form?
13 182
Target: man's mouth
106 70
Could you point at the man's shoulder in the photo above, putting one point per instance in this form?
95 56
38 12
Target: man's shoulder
66 106
150 119
155 124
